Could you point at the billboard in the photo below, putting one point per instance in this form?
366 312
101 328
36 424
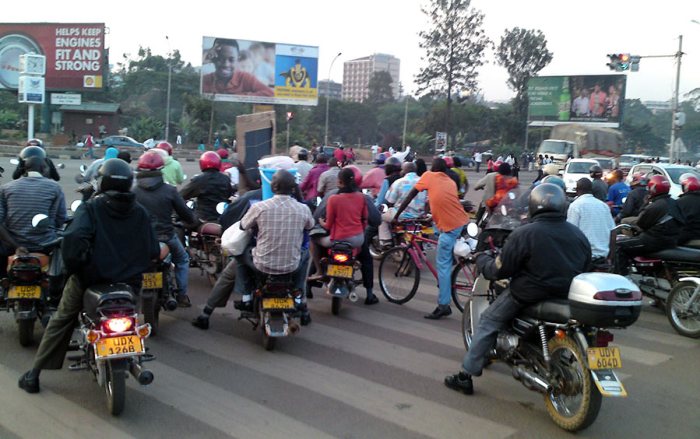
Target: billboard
590 99
74 53
259 72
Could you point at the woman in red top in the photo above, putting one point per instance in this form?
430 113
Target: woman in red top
346 216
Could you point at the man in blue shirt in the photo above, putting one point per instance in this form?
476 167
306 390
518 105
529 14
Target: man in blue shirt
617 192
593 217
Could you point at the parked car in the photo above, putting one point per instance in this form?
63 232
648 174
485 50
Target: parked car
672 172
575 170
120 141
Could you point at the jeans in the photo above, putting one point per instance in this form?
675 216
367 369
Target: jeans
496 317
182 263
446 244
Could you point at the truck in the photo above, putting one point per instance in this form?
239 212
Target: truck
580 141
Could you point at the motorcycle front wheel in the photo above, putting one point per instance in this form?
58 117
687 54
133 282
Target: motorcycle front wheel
574 402
115 387
151 311
683 315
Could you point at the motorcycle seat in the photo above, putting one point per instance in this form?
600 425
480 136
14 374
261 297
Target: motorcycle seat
97 296
682 254
646 260
213 229
553 310
695 243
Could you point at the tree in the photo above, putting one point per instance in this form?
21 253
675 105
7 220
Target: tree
380 91
455 46
523 52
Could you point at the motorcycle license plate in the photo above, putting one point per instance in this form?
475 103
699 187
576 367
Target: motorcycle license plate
113 346
340 271
24 292
278 303
604 358
152 281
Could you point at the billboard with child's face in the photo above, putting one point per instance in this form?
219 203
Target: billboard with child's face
589 99
259 72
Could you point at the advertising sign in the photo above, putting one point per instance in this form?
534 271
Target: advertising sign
259 72
596 100
66 99
74 53
30 89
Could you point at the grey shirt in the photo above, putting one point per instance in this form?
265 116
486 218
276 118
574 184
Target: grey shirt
600 189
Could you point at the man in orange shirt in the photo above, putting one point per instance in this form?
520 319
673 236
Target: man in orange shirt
449 217
227 79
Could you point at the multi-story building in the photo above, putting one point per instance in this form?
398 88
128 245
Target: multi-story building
656 106
357 73
330 88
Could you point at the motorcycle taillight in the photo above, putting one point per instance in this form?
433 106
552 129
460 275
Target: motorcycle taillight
340 257
118 324
602 339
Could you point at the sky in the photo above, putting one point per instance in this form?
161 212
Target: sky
580 34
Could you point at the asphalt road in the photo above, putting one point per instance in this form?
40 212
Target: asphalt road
371 372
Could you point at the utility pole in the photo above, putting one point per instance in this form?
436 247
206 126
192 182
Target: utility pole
405 120
167 104
328 94
675 108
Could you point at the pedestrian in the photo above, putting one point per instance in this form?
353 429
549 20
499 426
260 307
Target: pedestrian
515 168
201 146
178 140
477 159
89 144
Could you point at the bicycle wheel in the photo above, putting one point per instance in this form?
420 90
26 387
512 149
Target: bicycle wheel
463 276
398 275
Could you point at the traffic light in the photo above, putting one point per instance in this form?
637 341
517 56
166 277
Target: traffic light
620 62
679 119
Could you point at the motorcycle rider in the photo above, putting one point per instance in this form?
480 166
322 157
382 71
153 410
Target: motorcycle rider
593 217
392 169
540 258
109 240
374 178
210 188
172 171
21 199
600 188
161 200
635 200
302 163
310 184
689 203
49 172
329 179
397 193
617 192
92 170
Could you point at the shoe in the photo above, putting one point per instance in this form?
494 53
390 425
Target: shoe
314 278
309 293
305 318
439 312
243 306
183 301
460 382
29 385
371 300
201 322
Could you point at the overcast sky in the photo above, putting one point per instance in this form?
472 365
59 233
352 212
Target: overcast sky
580 34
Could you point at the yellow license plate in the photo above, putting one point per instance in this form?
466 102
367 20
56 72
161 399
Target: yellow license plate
109 347
278 303
152 281
604 358
340 271
24 292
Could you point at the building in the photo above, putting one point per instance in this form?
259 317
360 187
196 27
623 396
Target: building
656 106
100 119
330 88
357 73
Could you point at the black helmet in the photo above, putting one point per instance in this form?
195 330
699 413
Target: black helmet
115 175
392 165
303 154
33 158
547 197
595 171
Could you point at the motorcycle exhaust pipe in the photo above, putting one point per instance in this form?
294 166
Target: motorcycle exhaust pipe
353 297
293 327
531 380
143 376
170 304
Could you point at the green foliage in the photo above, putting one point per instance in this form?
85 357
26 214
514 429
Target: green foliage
380 91
146 127
9 119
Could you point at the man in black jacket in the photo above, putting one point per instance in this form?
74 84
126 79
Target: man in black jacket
689 203
109 240
635 200
161 200
541 259
210 188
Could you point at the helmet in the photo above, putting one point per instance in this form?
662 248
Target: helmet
161 152
33 158
497 164
150 161
449 162
689 182
115 175
111 153
358 174
553 179
658 185
547 197
392 164
35 142
165 146
222 153
379 159
550 169
209 160
595 171
639 179
303 154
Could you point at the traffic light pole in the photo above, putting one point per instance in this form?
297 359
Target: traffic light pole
675 109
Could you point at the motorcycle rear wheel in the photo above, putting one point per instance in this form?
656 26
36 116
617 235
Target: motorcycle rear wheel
335 305
26 331
575 384
267 341
685 321
151 311
115 388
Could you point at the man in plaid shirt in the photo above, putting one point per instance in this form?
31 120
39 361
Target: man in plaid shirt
280 223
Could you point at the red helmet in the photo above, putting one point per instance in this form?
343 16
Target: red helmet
165 146
497 164
449 162
658 185
150 161
209 160
222 153
689 182
358 174
639 179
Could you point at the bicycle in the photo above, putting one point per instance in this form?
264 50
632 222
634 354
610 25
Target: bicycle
400 266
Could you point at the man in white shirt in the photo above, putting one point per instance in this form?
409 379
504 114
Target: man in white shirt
478 157
593 217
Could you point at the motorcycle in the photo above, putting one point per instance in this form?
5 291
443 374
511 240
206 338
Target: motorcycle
203 245
158 287
662 273
277 308
560 348
339 268
111 342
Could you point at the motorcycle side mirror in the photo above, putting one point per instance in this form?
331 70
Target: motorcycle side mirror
318 201
190 204
184 176
75 204
14 161
79 179
504 211
472 230
61 166
383 208
511 195
221 207
83 169
40 220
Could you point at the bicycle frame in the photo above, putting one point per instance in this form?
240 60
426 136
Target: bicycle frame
411 239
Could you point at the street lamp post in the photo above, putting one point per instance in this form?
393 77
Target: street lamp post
328 94
167 102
